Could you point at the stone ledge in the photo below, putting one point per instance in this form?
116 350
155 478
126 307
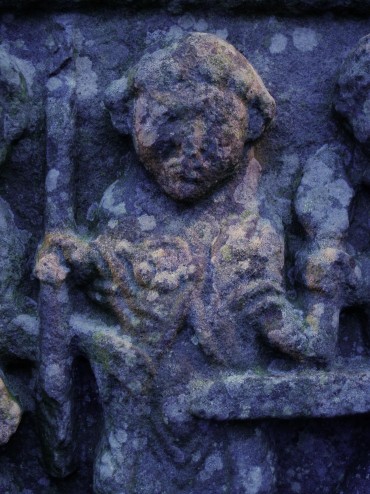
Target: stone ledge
309 393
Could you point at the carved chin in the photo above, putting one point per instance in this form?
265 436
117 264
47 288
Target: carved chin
184 190
186 184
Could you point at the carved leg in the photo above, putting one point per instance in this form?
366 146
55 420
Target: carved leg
126 439
211 457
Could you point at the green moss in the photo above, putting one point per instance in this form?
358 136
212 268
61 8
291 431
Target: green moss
245 214
226 253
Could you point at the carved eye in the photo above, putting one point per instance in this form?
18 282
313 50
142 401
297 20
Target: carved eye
168 148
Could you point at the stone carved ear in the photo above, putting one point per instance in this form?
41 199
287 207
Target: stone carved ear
261 112
118 100
261 105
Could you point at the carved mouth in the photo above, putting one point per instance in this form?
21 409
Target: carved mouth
183 171
196 180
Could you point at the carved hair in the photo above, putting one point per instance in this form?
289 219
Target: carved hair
197 58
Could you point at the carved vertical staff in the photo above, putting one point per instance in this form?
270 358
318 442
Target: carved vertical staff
55 377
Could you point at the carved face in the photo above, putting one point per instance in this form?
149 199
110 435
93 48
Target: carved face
190 138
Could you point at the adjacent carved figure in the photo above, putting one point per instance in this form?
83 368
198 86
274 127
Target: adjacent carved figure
190 276
352 104
13 122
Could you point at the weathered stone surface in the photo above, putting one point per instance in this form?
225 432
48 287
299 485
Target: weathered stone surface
342 390
187 262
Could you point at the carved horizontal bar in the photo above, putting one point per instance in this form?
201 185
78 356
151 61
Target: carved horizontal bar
309 393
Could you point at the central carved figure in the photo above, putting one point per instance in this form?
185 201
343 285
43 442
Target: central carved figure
190 276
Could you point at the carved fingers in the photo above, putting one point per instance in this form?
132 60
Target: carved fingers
60 254
326 269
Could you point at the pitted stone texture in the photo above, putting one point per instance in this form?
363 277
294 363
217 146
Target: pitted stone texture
342 390
240 243
352 100
10 414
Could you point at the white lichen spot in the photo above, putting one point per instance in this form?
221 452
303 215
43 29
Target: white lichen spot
53 84
254 480
222 33
112 223
175 32
305 39
106 467
358 273
147 223
278 43
86 325
194 340
186 21
175 409
212 464
201 26
117 89
113 442
87 79
52 180
29 324
121 436
111 202
148 136
152 296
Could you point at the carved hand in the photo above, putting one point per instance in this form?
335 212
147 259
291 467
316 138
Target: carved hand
61 253
309 334
326 269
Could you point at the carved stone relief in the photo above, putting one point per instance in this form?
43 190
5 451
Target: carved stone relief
185 269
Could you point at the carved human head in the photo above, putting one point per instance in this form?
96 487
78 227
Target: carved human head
191 108
352 98
13 101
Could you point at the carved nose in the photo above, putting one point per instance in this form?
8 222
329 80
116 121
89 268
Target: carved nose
194 139
191 151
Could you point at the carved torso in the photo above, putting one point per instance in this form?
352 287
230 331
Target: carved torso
208 265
